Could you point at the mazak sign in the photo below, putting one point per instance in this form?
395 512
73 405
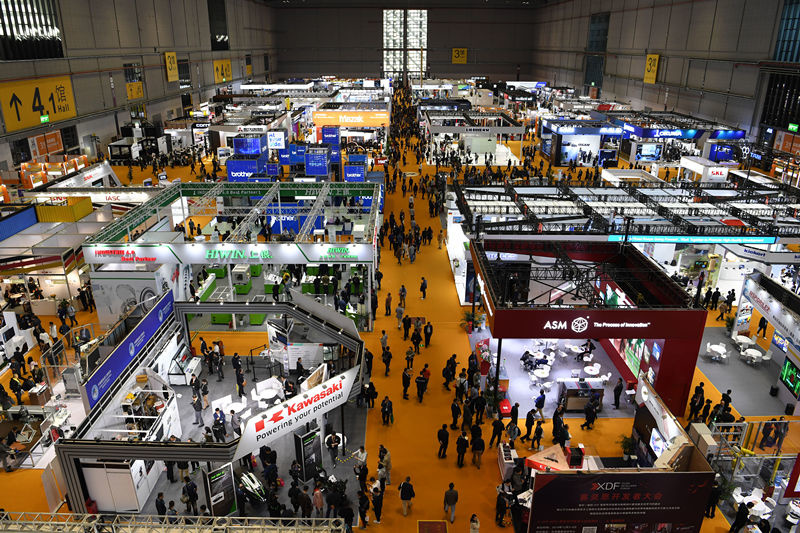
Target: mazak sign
283 419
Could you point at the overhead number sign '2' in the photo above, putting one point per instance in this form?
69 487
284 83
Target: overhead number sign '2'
24 103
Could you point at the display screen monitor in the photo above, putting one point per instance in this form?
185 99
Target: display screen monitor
790 376
780 341
657 442
317 164
8 335
648 151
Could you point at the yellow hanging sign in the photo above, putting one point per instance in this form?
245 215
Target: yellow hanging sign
134 90
459 56
171 64
24 103
651 68
222 70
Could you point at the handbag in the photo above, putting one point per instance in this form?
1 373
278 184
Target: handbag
184 498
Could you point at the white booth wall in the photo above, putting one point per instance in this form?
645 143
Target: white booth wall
480 145
571 146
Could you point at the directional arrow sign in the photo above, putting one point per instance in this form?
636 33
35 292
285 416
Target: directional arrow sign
23 103
15 101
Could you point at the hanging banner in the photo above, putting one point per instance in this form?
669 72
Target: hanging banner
287 417
26 104
221 491
651 68
222 70
645 501
134 90
459 56
171 65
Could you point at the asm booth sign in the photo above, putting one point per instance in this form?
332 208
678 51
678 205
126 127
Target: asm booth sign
292 414
127 350
630 501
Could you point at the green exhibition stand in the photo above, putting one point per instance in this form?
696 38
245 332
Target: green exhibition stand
257 319
268 288
244 288
205 295
220 272
221 318
255 270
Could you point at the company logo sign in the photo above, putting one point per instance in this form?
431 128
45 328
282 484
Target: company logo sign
613 486
629 128
581 324
718 172
667 133
295 411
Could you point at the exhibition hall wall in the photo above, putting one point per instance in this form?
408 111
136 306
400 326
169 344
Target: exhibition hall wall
348 40
708 50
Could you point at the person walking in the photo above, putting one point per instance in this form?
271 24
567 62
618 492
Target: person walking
530 420
189 495
742 514
478 447
422 384
539 404
474 524
443 437
410 357
406 382
723 310
377 504
387 411
318 501
497 431
399 312
388 303
71 315
536 441
450 500
240 382
197 405
713 500
428 332
384 340
363 507
402 295
386 357
423 287
462 444
618 392
407 494
332 443
306 505
589 414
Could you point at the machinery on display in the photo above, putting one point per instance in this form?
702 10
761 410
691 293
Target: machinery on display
256 493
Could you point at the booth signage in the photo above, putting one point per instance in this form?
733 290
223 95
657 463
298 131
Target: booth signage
24 102
292 414
694 239
355 173
571 503
369 119
593 323
100 197
792 127
109 371
222 70
171 65
207 253
764 256
251 129
221 491
330 135
317 163
276 140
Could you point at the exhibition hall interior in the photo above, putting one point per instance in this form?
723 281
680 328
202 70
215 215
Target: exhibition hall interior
299 265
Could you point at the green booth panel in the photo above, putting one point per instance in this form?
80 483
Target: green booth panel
255 270
257 319
268 288
221 318
220 272
244 288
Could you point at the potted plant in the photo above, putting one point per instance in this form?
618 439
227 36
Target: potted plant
626 443
729 322
469 321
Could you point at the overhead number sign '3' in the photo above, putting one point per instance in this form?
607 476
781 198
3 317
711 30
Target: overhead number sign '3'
24 103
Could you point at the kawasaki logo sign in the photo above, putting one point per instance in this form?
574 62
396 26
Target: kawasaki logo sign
284 419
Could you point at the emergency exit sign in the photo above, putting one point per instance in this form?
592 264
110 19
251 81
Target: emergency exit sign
792 127
44 119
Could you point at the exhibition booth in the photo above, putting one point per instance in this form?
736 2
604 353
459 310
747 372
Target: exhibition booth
139 418
254 237
609 494
474 132
586 143
642 320
764 298
700 169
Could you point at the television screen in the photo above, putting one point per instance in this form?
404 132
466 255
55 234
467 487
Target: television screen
657 443
648 151
8 335
780 341
790 376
